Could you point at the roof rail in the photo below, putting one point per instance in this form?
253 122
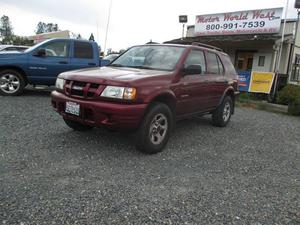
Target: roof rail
207 46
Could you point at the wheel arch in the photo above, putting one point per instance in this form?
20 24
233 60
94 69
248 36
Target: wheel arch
167 98
16 68
228 92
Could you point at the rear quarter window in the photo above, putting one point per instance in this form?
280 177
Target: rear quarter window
83 50
214 63
228 65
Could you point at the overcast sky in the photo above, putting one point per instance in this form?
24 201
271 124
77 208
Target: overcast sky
132 21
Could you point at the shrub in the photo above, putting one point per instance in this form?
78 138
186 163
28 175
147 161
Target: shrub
290 94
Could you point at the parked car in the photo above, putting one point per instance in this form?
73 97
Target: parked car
111 57
41 64
18 48
147 89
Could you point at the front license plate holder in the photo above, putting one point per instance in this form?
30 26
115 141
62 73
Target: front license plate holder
72 108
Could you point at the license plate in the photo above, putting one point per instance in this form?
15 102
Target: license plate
72 108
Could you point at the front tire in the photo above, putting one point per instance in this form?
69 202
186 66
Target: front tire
221 116
77 126
154 132
12 83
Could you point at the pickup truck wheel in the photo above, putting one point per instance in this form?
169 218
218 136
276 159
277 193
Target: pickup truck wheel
12 83
222 114
154 132
77 126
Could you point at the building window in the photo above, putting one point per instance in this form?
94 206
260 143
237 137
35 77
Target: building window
261 61
295 76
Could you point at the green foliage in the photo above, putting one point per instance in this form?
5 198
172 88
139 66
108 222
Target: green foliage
46 27
19 40
246 96
289 94
6 30
92 37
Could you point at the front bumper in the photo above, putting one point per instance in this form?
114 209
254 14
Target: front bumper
99 113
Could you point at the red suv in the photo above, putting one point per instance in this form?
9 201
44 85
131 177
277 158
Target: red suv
147 89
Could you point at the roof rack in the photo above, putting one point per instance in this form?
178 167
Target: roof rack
207 46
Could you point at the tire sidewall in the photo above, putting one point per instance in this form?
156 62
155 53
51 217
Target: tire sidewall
226 100
143 136
218 113
21 80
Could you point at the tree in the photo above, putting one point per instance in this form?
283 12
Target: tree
46 27
19 40
79 37
6 30
40 28
92 37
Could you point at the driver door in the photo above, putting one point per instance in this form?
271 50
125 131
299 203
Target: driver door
193 87
44 69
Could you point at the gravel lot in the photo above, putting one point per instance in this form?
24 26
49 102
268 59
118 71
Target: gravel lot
246 173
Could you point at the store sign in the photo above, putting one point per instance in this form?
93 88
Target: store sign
183 19
255 81
244 80
243 22
261 82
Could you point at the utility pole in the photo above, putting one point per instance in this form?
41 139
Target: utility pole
280 50
107 26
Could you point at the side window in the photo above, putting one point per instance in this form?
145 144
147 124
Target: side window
83 50
221 67
57 49
213 63
229 66
196 57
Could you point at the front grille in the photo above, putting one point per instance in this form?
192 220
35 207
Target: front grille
82 89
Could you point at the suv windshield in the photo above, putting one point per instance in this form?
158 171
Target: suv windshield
150 57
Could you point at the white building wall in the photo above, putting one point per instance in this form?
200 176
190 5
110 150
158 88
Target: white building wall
268 61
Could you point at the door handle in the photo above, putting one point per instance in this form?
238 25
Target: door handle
63 62
92 64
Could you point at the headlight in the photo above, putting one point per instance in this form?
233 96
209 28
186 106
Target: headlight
60 83
127 93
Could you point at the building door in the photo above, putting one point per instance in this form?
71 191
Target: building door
244 61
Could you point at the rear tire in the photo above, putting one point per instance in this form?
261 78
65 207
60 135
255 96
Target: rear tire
221 116
154 132
77 126
12 82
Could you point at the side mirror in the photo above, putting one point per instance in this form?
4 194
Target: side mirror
40 52
193 69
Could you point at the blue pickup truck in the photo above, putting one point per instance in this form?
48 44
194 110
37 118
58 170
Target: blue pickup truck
41 64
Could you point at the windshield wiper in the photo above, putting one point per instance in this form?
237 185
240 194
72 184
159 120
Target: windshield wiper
143 67
117 65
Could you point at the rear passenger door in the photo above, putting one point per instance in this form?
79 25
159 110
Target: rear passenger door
217 81
83 55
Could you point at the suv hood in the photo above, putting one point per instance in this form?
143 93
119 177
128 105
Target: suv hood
111 75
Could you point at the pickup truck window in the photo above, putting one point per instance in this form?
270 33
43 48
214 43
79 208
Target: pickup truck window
57 49
150 57
196 57
83 50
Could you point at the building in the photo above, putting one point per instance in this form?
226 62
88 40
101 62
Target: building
44 36
252 49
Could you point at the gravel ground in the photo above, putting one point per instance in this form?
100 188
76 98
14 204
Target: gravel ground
246 173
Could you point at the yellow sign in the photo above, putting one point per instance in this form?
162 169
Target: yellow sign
261 82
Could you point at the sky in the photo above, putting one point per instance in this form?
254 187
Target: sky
131 22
